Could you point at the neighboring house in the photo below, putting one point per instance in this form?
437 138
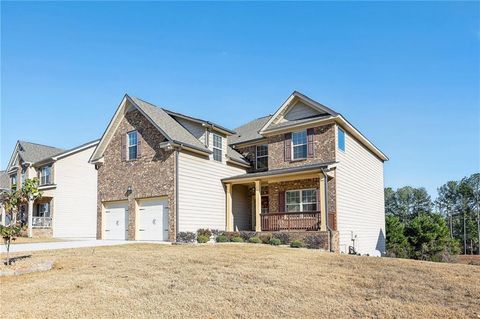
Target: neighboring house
68 184
303 169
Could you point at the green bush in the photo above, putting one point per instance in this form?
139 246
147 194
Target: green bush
265 238
296 244
255 240
275 241
202 239
284 237
222 239
237 239
204 232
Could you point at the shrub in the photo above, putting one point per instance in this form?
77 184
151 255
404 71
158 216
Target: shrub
186 237
255 240
237 239
265 238
246 235
314 241
204 232
216 232
221 239
231 234
275 241
202 239
284 237
296 244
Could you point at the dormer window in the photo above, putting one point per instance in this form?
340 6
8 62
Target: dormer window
45 175
299 145
217 148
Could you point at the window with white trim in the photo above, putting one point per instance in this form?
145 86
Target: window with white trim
299 145
13 181
341 139
217 147
132 145
43 210
261 157
303 200
45 175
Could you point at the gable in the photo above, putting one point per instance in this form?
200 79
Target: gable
299 111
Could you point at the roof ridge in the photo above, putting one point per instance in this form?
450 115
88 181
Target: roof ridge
23 141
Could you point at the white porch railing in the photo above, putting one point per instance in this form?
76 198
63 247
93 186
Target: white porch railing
42 222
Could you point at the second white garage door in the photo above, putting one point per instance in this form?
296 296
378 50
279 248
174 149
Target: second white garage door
153 219
116 220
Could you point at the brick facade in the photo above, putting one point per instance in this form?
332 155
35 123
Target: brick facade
152 175
275 188
323 145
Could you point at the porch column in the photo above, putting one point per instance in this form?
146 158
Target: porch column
323 204
30 217
229 226
258 206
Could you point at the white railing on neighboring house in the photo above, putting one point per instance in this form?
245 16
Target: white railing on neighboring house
42 222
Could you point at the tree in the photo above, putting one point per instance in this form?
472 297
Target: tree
429 237
11 201
397 242
407 202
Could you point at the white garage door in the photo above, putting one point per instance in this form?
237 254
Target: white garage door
116 220
153 219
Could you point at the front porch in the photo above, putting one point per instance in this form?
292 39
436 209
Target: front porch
292 199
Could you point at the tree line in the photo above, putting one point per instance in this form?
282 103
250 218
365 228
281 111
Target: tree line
418 227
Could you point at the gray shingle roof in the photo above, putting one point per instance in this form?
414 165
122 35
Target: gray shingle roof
236 156
280 171
4 180
32 152
172 113
174 131
248 131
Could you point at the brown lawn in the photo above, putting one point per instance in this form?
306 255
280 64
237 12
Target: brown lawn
241 281
28 240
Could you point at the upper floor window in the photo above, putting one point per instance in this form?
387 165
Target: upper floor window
304 200
132 145
13 181
262 157
341 139
23 176
299 145
217 147
45 175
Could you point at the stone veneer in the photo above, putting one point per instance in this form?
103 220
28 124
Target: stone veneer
324 149
152 175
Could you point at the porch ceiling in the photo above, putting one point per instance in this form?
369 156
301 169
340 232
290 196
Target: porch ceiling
282 174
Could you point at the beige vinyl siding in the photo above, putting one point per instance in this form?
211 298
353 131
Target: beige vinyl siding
360 199
75 197
299 111
241 202
201 195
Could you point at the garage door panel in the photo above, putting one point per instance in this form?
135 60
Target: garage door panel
153 219
116 221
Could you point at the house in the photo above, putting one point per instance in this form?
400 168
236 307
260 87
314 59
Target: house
68 184
304 169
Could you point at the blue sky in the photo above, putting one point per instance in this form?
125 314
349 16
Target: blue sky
405 74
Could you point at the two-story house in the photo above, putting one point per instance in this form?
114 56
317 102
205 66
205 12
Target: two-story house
304 168
67 207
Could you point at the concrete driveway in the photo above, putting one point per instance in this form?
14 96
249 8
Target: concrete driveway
63 245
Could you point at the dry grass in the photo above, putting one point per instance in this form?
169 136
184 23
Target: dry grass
241 281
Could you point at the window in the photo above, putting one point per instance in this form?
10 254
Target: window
45 173
341 139
13 181
262 157
132 145
23 176
299 143
43 210
304 200
217 148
